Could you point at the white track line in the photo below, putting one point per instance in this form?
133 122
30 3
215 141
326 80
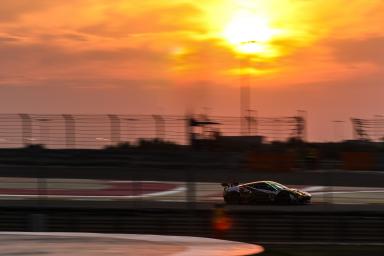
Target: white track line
348 192
314 188
155 194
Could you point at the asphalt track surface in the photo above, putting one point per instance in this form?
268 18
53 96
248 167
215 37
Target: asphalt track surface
161 191
86 244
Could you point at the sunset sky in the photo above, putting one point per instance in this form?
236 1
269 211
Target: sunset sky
173 56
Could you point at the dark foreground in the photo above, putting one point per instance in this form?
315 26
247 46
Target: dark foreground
335 224
321 250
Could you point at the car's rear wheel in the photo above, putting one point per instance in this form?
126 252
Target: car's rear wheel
232 198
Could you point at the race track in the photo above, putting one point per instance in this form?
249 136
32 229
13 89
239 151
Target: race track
200 192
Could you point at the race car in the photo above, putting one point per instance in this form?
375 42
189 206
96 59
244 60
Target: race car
263 192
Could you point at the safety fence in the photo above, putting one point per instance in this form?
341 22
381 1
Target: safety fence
369 129
98 131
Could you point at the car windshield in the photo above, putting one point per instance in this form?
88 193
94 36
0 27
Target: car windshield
277 185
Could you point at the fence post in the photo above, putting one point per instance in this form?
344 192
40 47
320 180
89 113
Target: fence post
189 122
300 128
256 123
115 128
159 126
70 134
26 128
301 124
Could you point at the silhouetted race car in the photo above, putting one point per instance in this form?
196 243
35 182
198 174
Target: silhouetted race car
263 192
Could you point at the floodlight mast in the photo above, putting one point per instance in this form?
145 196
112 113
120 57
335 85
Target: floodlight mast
245 95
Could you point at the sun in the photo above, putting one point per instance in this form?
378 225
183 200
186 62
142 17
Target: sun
251 34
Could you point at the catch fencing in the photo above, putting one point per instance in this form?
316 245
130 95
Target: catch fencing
99 131
368 129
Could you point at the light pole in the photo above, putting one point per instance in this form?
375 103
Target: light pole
245 95
379 125
251 122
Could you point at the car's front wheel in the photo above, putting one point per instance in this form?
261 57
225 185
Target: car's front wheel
283 198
